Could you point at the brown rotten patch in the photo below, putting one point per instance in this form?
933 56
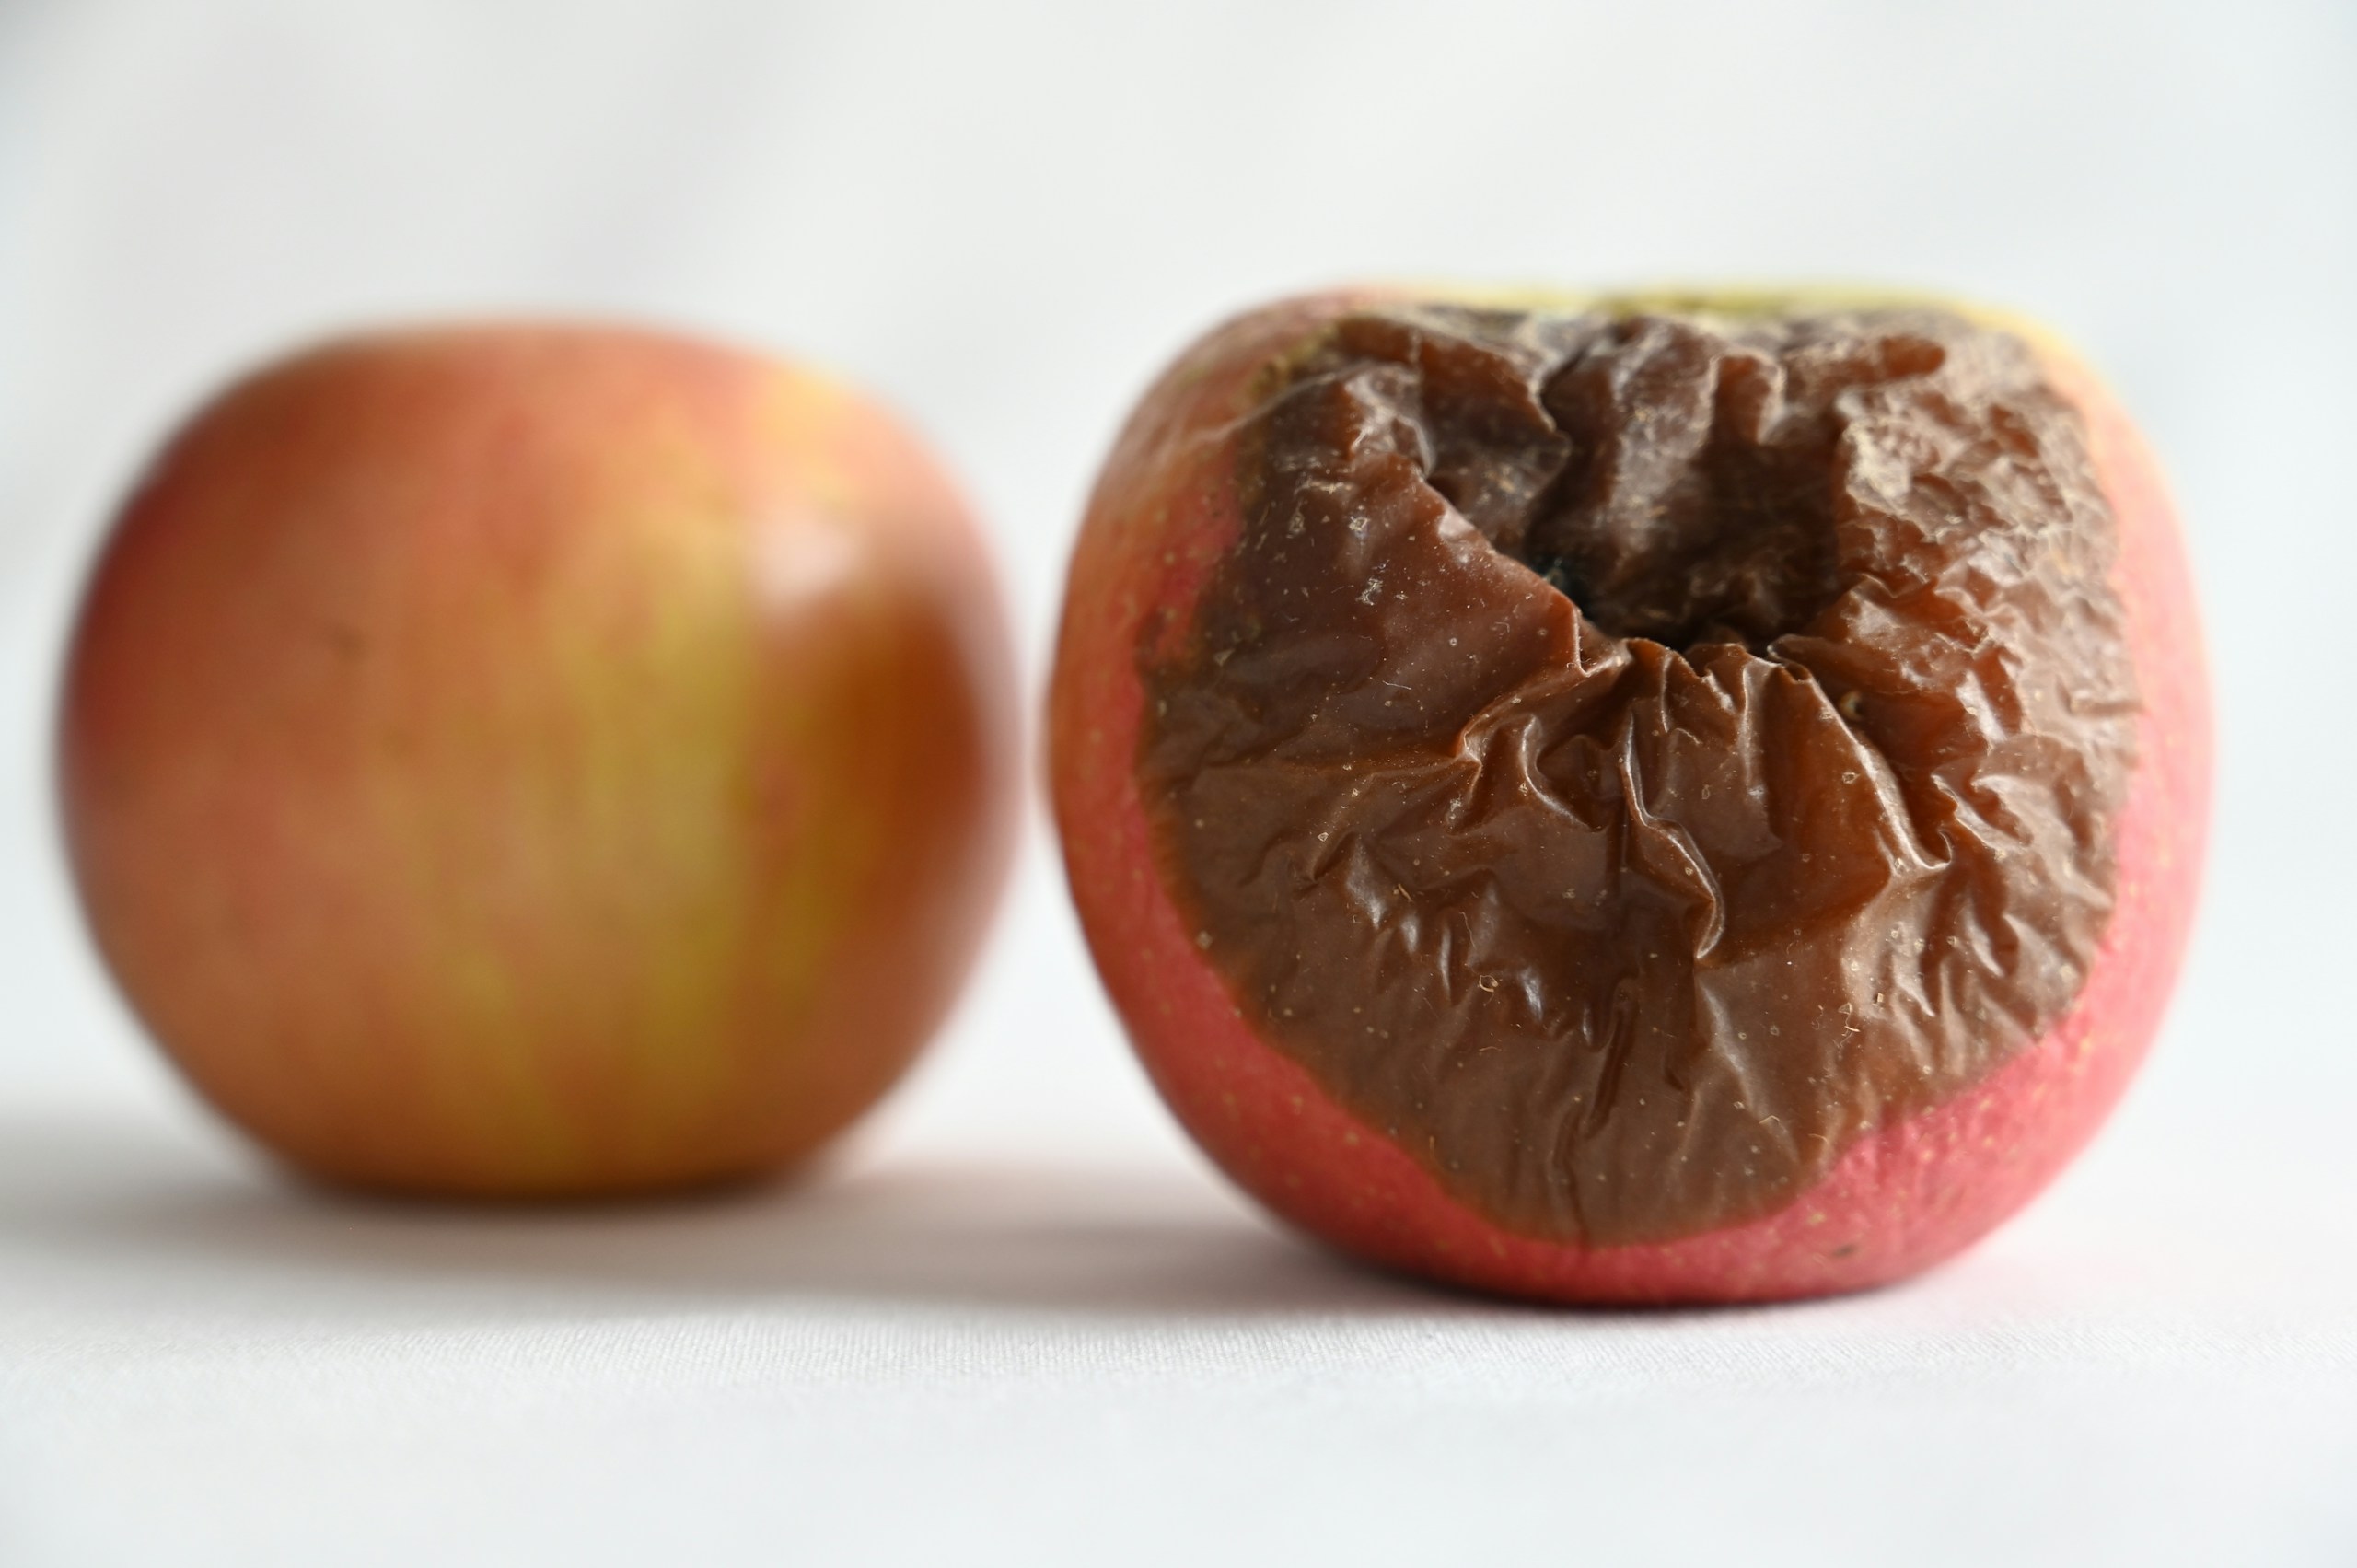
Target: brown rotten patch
1628 757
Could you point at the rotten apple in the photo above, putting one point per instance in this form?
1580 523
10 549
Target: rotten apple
1640 799
529 761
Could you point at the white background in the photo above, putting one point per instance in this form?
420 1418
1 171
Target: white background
1018 1320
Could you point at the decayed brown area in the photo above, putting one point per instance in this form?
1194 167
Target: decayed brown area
1628 757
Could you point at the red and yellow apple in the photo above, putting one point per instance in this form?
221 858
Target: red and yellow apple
1680 798
539 760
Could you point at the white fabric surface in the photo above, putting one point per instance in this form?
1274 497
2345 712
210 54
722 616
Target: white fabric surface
985 1358
1018 1320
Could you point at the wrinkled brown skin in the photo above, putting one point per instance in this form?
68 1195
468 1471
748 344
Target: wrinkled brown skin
1772 824
539 761
1906 1188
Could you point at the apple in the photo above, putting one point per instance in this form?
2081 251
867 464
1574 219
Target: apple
1672 798
536 761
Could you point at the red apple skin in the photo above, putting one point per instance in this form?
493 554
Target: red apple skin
535 762
1163 514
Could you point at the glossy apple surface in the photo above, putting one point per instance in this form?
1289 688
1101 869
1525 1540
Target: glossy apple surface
528 760
1165 516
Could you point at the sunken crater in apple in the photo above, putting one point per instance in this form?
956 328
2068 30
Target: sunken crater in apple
1625 759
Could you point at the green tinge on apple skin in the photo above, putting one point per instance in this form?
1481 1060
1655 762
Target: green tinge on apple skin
620 766
610 799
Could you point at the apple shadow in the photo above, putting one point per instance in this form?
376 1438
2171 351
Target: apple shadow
106 1212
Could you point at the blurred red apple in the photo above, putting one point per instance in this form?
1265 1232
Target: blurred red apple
539 760
1633 800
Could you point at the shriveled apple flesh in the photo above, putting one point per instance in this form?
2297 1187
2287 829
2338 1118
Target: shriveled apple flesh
1625 757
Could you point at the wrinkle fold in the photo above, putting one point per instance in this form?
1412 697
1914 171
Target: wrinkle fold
1642 743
